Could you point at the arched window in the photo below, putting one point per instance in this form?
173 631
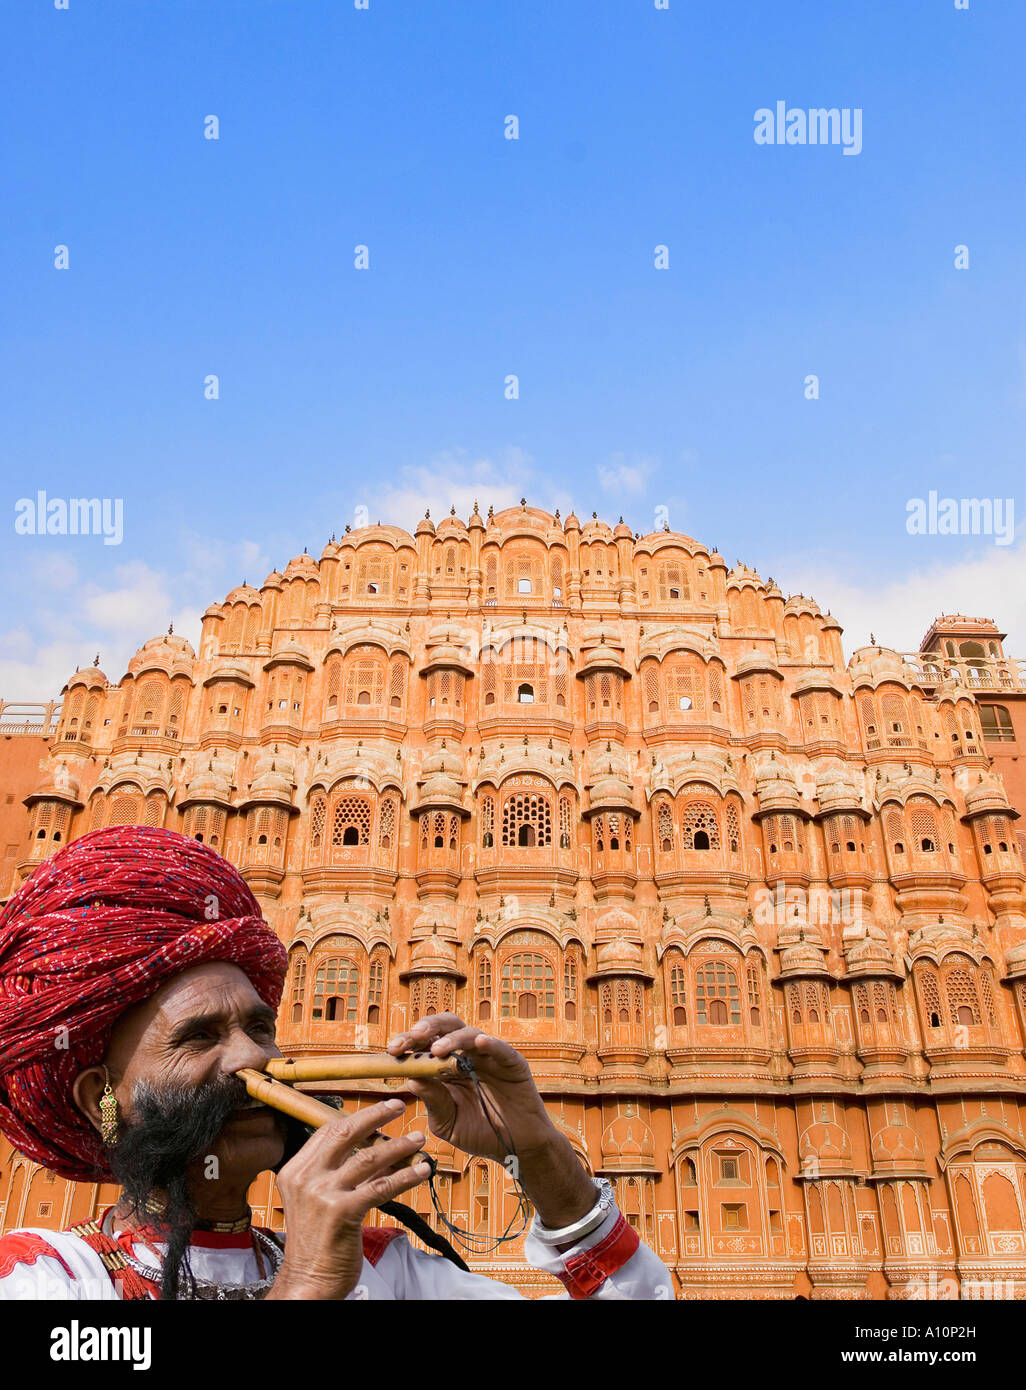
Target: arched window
525 694
926 979
571 974
664 827
684 683
350 821
753 976
963 998
298 988
365 675
336 991
484 988
700 829
678 996
896 721
528 986
716 994
318 812
527 820
487 822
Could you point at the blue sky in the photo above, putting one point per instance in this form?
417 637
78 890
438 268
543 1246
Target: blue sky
639 388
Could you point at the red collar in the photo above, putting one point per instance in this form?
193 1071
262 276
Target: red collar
205 1240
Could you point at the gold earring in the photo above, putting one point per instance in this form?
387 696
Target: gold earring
108 1114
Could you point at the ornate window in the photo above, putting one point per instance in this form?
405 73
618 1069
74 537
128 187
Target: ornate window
963 999
926 978
754 982
678 996
674 583
125 805
566 822
867 714
896 721
365 674
621 1001
298 988
684 684
336 991
350 822
484 988
318 811
528 986
733 828
664 827
527 820
487 822
571 977
716 994
650 681
376 987
374 569
700 828
386 822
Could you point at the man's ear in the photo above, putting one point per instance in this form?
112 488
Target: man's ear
86 1092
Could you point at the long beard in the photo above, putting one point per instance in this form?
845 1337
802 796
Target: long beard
170 1130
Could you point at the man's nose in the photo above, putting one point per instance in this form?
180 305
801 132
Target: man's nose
245 1051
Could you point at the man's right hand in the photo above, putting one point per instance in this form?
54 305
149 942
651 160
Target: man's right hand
328 1188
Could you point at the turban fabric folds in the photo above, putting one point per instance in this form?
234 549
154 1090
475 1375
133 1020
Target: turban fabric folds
96 929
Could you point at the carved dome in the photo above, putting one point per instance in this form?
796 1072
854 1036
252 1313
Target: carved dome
168 652
897 1145
826 1142
243 593
628 1145
90 676
620 957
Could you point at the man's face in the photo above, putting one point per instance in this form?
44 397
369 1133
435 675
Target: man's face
199 1027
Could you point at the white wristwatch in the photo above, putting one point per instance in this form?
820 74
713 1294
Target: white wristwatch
594 1218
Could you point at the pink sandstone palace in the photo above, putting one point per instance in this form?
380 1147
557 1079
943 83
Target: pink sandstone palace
754 914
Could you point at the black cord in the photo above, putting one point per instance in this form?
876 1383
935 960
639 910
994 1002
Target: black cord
471 1242
416 1223
474 1244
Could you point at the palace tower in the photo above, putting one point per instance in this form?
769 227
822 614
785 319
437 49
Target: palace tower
755 915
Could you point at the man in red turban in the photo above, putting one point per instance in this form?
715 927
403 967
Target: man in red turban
137 977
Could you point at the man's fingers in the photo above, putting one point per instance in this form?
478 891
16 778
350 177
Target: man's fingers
435 1095
376 1159
424 1032
348 1130
388 1185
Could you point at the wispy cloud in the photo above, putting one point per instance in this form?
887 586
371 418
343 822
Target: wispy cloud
67 614
626 477
452 478
990 583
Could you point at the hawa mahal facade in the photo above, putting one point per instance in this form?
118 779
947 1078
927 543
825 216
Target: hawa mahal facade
754 914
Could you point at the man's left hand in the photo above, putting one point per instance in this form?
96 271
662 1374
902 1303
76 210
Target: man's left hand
454 1111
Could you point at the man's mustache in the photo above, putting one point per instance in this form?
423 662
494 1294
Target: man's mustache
175 1125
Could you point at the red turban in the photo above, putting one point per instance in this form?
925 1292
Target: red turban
96 929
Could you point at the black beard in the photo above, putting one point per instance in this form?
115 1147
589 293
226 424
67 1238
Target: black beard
171 1129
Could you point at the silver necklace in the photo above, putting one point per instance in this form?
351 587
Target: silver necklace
210 1290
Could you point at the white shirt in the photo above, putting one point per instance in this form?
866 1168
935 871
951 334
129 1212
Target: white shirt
609 1263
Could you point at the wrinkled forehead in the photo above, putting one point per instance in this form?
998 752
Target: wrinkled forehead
214 988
